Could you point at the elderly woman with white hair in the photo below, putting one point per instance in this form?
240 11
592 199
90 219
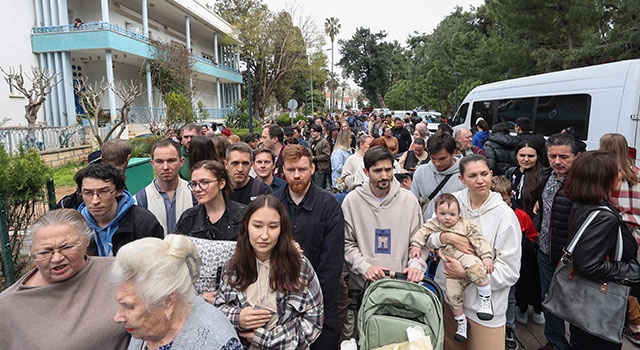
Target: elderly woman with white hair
158 303
65 301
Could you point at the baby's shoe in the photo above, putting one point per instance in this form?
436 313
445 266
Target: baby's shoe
485 312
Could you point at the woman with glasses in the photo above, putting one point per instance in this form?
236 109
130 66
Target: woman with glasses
65 301
216 217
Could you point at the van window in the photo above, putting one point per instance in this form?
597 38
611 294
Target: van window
461 115
549 114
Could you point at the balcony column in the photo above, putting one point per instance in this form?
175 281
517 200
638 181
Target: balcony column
215 48
187 31
218 95
108 58
239 95
145 19
104 8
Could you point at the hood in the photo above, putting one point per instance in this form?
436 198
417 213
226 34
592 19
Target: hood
451 170
364 191
104 235
494 200
504 140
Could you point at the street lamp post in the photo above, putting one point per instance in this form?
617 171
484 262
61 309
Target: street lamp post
249 62
311 84
457 74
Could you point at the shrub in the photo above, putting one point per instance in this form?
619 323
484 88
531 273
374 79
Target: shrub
141 147
23 179
285 119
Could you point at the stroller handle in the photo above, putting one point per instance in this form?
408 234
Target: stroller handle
434 287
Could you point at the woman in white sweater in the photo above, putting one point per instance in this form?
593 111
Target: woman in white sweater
500 226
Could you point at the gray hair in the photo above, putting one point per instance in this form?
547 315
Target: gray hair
60 217
158 268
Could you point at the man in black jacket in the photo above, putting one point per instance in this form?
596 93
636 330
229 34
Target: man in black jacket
319 228
402 134
552 216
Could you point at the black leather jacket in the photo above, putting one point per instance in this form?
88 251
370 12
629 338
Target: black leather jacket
599 242
195 223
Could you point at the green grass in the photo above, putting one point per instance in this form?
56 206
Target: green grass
63 176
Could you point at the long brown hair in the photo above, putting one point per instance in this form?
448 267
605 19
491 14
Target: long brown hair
285 261
617 146
529 194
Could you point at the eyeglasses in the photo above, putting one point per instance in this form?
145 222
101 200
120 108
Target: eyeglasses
204 184
99 193
47 254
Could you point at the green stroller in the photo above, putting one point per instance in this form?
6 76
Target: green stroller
391 305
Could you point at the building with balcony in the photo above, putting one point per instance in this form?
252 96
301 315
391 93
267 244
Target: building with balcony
114 43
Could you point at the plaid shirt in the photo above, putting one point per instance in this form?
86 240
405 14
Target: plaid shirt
300 315
627 202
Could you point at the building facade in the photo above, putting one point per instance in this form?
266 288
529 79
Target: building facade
114 43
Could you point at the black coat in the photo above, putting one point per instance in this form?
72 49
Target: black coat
499 149
404 138
561 208
599 242
319 228
194 223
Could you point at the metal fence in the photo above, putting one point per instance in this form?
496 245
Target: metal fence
46 137
145 115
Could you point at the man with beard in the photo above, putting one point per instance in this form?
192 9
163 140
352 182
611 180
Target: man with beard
239 161
319 228
167 196
380 218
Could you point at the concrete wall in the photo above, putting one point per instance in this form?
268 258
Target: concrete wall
16 21
61 156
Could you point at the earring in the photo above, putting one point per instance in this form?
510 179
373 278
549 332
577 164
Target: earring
168 317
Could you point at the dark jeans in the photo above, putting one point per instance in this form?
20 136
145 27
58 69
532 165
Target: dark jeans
553 326
320 179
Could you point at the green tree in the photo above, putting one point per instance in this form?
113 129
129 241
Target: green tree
367 60
23 178
273 42
332 28
179 110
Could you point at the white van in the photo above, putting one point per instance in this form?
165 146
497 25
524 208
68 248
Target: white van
593 100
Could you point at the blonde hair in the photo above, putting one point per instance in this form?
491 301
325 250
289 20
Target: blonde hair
501 185
158 268
616 145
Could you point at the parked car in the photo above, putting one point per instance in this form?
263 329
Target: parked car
432 118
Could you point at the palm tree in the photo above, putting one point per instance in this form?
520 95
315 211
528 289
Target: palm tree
332 28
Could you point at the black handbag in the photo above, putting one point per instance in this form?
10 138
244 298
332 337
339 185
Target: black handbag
596 308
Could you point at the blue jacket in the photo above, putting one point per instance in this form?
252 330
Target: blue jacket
479 138
130 223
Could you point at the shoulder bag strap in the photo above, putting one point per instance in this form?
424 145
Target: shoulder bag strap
440 186
619 245
568 250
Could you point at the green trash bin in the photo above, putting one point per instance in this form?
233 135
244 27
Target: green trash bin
139 174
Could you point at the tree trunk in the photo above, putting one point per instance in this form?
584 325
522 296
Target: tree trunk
380 99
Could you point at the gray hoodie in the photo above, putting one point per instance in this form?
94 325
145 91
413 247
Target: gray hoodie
378 232
427 177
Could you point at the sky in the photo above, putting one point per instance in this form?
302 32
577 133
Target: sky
398 18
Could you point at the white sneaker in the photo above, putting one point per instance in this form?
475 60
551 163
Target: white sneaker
538 318
461 333
521 315
485 312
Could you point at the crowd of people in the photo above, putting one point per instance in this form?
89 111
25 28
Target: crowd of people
313 210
